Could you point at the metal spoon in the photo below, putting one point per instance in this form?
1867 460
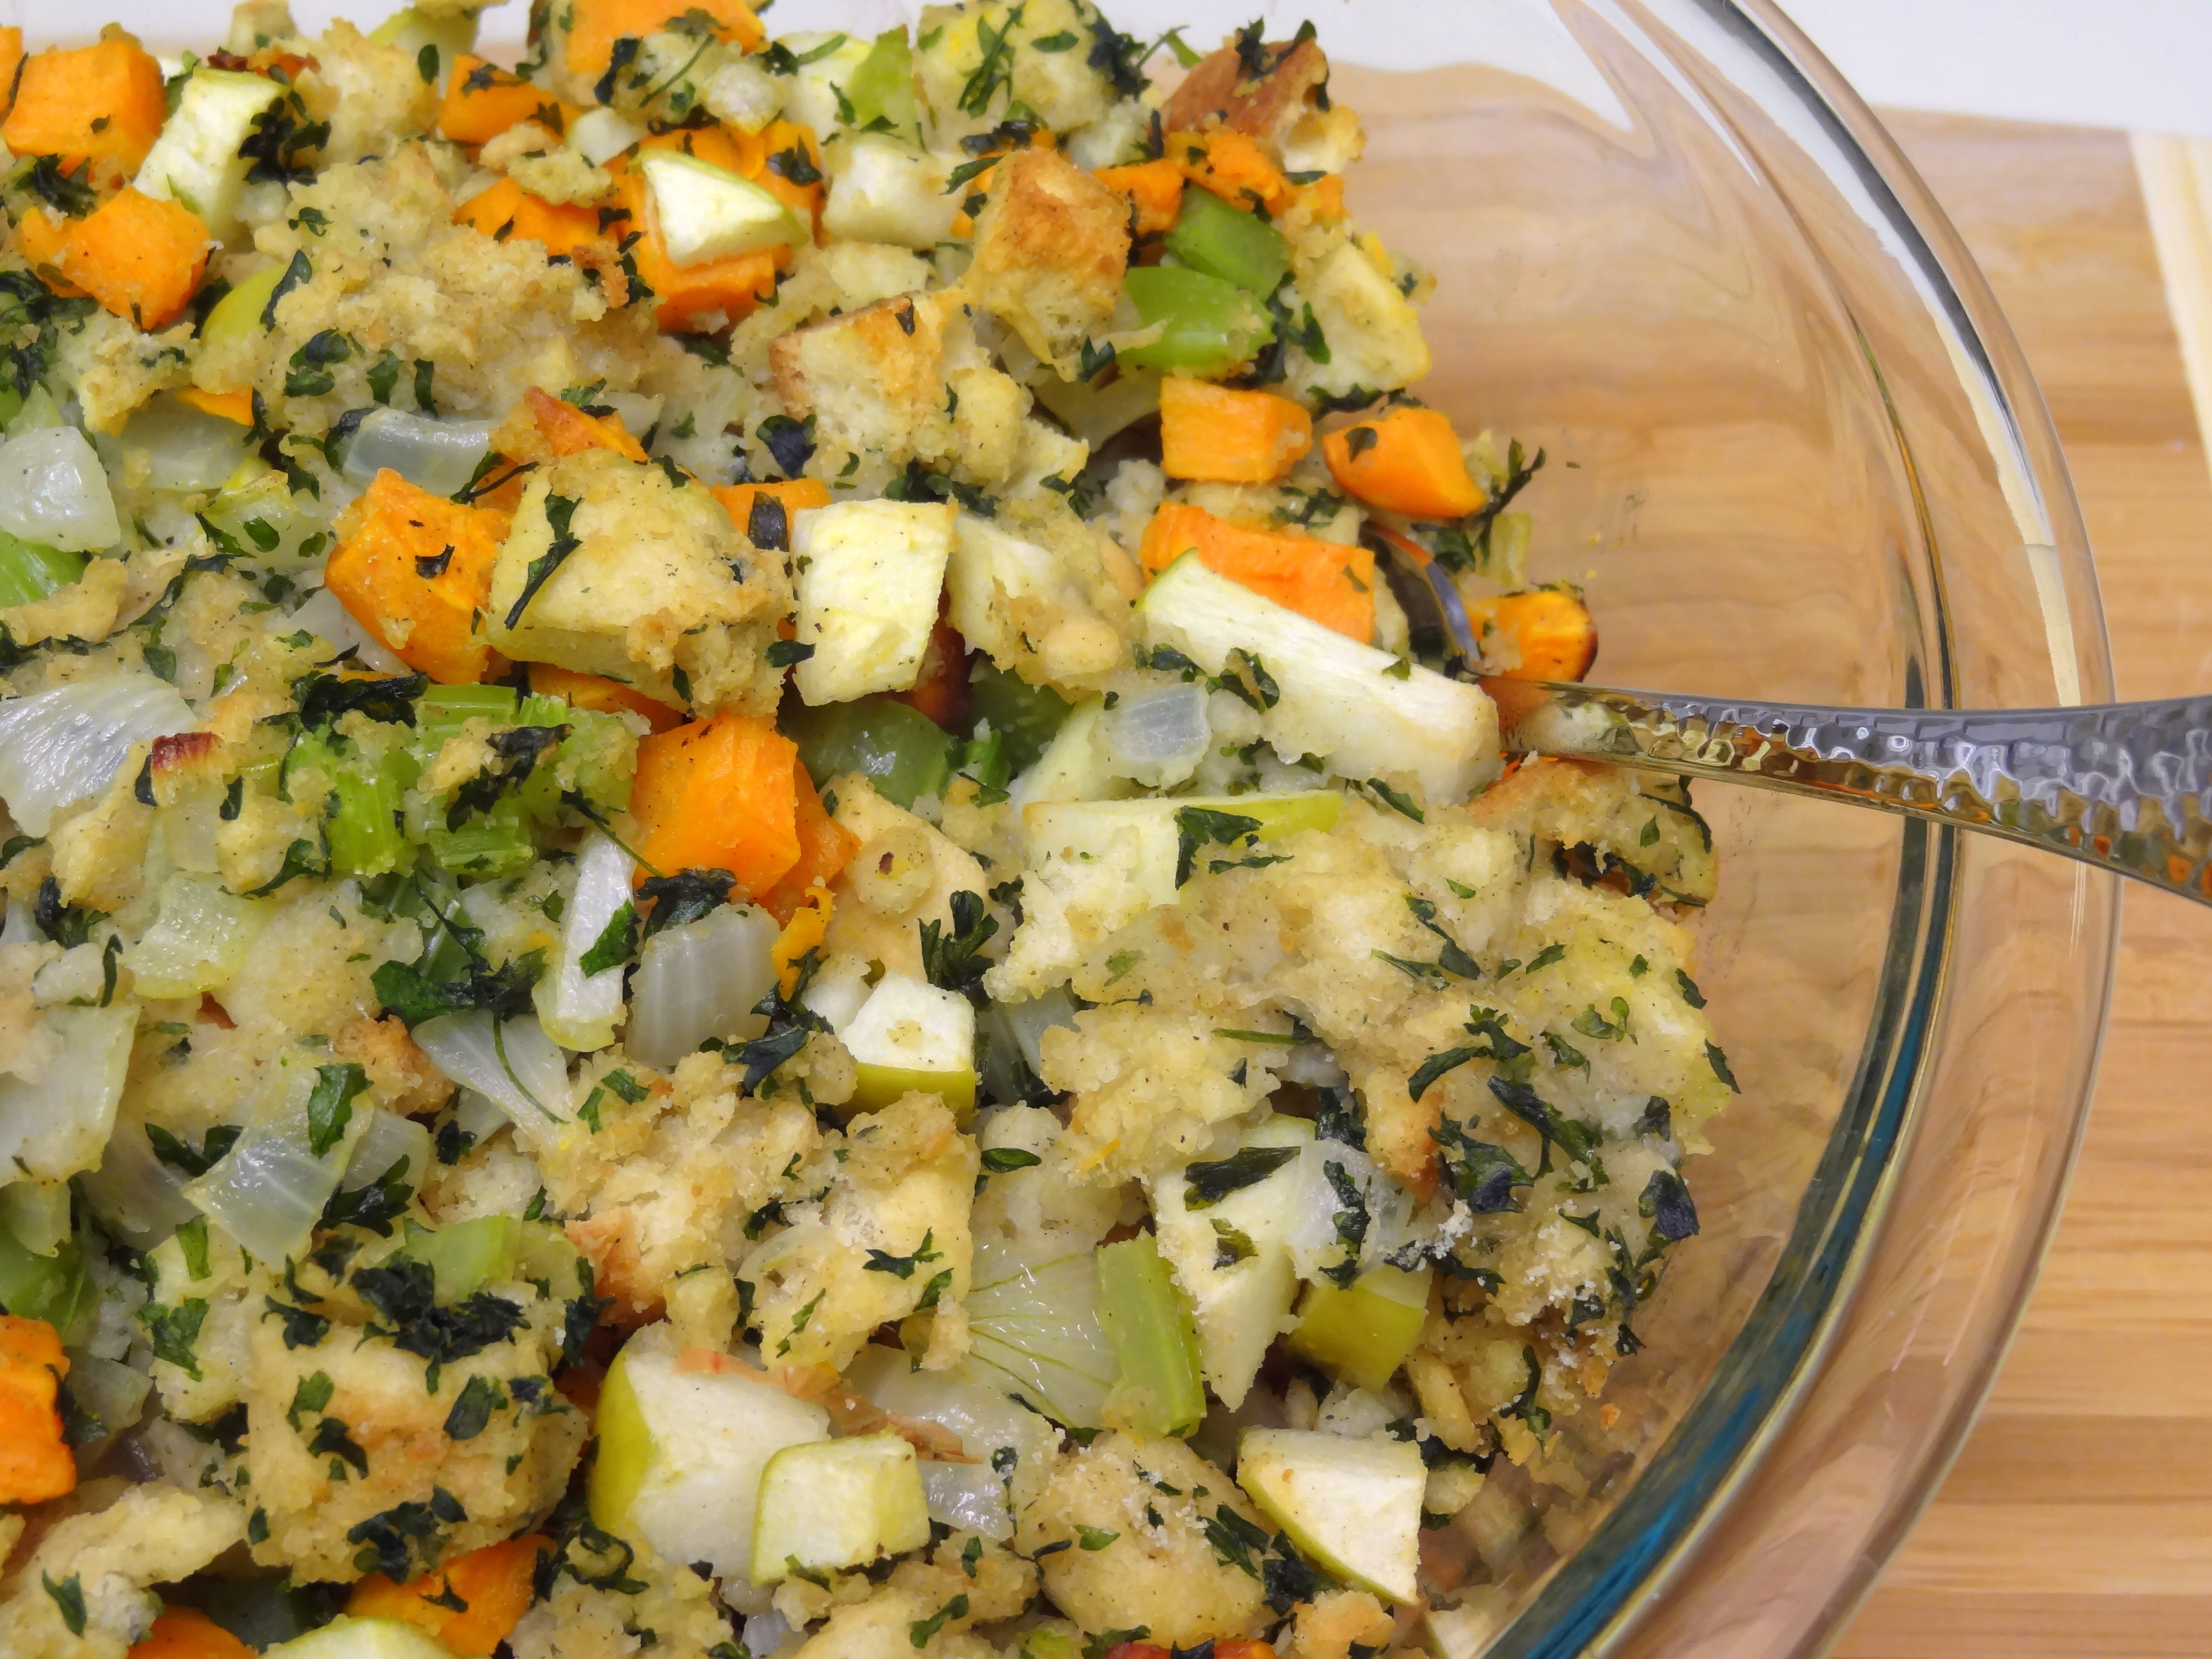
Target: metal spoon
2125 786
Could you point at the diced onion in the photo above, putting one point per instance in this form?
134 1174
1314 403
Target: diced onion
62 745
55 1127
511 1061
578 1011
1029 1020
136 1197
1034 1330
185 448
438 456
1312 1236
388 1138
53 489
1158 738
113 1392
322 613
270 1190
600 135
987 1421
199 940
699 979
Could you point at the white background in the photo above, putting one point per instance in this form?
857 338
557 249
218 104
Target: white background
2141 63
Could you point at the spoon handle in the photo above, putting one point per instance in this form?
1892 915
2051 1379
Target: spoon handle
2126 786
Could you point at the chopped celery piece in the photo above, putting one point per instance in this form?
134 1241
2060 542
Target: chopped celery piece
1227 242
29 570
885 1085
465 1256
1363 1334
365 835
493 844
1212 325
55 1288
445 709
602 752
882 87
1027 716
901 751
1158 1389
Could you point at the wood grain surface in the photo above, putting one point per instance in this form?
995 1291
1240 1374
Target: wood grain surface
2078 1519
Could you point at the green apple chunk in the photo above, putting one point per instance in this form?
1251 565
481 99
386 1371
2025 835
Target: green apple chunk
362 1639
1362 1334
682 1451
838 1504
911 1035
1231 1255
1363 711
1353 1505
706 212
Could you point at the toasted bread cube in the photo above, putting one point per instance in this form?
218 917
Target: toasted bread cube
651 586
1050 250
1373 332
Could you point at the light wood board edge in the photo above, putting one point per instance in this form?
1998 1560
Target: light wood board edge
2175 176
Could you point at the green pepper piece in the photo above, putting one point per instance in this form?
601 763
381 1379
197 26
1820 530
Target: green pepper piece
30 570
1227 242
1212 325
1025 715
901 751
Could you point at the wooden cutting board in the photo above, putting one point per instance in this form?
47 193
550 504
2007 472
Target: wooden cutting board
2078 1520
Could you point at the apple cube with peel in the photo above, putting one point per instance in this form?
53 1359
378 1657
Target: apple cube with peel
705 212
682 1449
196 162
1361 1332
869 575
838 1504
911 1035
1365 713
362 1639
1353 1505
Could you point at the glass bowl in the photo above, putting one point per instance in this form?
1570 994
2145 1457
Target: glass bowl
1794 454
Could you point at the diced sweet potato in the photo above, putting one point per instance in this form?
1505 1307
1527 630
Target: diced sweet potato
470 1605
141 257
718 794
1214 432
1407 461
1154 189
1550 631
35 1463
825 847
105 103
604 695
415 570
483 101
506 211
595 25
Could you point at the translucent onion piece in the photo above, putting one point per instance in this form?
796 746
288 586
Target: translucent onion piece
477 1116
1034 1331
53 489
1031 1019
438 456
1312 1235
198 941
270 1189
135 1196
698 981
62 745
511 1062
598 134
55 1128
185 448
113 1392
1159 737
988 1422
322 614
388 1137
578 1011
